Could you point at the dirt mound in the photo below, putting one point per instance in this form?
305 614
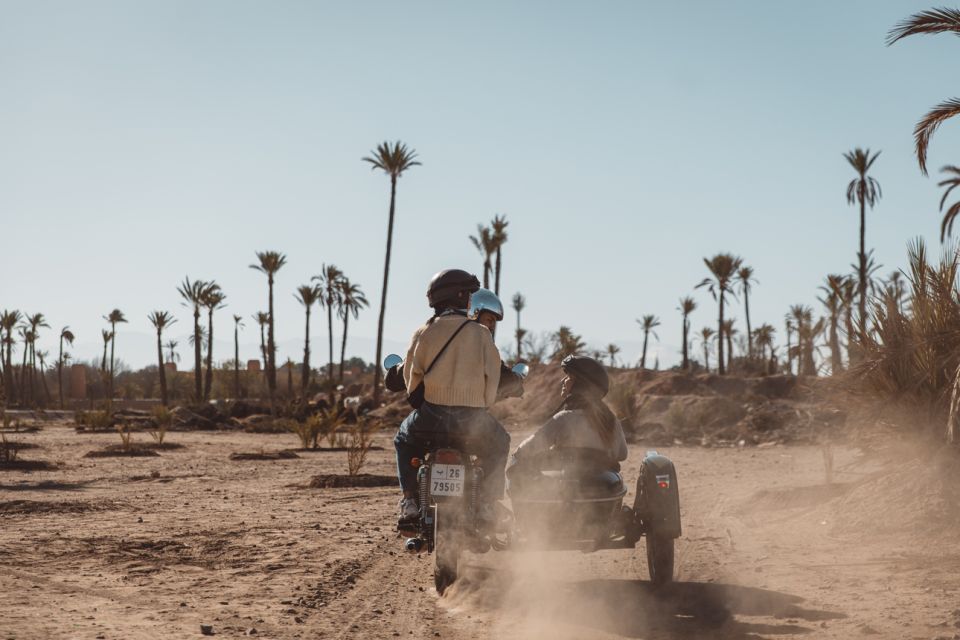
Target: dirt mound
117 451
264 455
339 481
27 465
39 507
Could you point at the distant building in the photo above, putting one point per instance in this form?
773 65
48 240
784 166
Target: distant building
78 382
253 366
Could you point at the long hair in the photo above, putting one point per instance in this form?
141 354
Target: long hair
598 414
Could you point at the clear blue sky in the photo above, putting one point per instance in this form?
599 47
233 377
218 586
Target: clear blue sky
144 141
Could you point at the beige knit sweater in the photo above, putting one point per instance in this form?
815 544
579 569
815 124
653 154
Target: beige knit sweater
468 372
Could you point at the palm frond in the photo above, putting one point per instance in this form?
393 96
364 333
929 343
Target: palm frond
929 124
939 20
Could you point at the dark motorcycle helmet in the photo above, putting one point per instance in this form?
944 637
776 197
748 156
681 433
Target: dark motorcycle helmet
587 370
446 285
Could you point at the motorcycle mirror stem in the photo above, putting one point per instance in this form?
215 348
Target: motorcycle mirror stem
391 361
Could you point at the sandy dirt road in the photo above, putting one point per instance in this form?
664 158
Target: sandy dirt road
155 547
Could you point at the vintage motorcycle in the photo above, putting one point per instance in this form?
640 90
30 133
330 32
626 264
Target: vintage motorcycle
570 505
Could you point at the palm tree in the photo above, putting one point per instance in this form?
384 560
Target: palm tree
764 339
519 303
393 161
160 321
723 267
263 319
106 335
941 20
237 323
706 335
115 318
566 343
307 295
864 190
799 314
26 377
172 355
499 226
212 299
352 299
35 322
648 323
270 263
329 285
65 336
42 357
486 244
687 306
745 276
833 302
8 322
953 179
612 351
192 294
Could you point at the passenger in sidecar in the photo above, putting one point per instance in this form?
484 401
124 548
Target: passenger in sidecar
565 479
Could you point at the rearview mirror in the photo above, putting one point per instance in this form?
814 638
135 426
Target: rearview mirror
521 369
391 361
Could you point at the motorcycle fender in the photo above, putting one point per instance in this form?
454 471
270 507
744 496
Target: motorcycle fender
658 482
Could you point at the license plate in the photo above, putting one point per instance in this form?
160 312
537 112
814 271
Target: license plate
446 480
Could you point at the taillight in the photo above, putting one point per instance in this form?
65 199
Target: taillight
663 482
663 485
415 462
448 456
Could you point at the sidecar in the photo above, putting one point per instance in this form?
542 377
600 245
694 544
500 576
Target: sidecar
576 503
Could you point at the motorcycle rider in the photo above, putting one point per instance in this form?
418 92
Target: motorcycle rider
460 386
582 423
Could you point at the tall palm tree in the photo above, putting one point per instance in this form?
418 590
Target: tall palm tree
65 336
499 227
329 284
270 263
42 358
262 319
172 355
864 190
237 323
212 300
745 276
192 294
799 314
519 303
706 335
723 267
940 20
486 244
26 377
160 321
833 302
352 299
307 295
393 161
114 318
612 351
648 324
687 306
729 331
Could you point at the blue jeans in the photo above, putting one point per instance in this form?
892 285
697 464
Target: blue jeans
470 429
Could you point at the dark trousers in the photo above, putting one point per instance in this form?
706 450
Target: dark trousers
470 429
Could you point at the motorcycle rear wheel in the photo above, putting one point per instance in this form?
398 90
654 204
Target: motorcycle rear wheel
446 555
660 558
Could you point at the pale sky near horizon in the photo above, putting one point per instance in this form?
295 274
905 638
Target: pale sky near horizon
141 142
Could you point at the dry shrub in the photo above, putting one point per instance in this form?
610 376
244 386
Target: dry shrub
308 431
8 450
162 419
125 434
623 401
95 420
359 446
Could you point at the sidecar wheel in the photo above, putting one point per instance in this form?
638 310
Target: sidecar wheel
660 558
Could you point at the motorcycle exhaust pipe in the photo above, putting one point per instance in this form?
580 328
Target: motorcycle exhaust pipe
413 545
